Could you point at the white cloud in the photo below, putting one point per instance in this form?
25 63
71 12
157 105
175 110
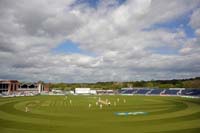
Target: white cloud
123 50
195 18
194 21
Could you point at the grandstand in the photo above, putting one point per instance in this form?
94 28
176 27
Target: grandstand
191 92
170 92
106 92
127 91
142 91
156 91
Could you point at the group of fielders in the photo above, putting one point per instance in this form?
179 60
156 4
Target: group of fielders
99 103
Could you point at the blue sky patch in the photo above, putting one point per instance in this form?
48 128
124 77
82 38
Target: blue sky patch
121 1
91 3
69 47
180 22
94 3
165 50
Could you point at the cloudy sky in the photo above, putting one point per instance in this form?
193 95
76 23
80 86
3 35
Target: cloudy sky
99 40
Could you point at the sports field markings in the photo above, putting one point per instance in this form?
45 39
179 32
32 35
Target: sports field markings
130 113
179 114
45 104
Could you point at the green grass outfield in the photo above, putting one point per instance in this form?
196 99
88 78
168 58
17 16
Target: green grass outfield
54 114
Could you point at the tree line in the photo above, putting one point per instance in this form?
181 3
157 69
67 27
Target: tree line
175 83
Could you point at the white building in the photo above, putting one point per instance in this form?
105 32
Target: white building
82 90
93 92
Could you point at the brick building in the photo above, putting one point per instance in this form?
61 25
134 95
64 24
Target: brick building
8 86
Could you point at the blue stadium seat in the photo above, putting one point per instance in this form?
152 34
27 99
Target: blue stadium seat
142 91
155 92
191 92
128 91
171 92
